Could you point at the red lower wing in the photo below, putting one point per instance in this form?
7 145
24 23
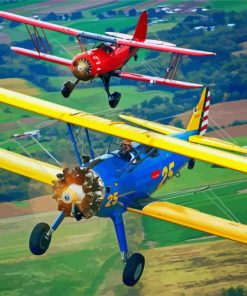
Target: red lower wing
42 56
157 80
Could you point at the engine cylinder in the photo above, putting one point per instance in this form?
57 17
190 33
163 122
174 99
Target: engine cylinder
81 69
81 188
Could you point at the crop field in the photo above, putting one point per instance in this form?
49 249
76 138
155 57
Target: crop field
84 260
227 5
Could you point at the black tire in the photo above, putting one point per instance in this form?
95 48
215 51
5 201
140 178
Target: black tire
114 99
133 269
67 88
191 164
39 242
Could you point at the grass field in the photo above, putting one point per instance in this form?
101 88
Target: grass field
83 258
227 5
93 100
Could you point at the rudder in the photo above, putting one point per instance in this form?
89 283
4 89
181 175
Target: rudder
141 28
199 118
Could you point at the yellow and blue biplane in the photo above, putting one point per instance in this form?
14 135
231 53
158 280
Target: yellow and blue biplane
125 178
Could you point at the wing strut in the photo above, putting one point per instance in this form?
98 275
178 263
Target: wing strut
172 69
37 40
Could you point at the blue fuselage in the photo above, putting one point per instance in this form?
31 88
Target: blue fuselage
128 181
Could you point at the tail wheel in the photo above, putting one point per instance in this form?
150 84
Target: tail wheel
39 241
191 164
133 269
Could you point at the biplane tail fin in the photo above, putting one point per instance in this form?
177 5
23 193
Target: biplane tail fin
199 118
141 28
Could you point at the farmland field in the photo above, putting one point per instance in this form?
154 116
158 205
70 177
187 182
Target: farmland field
84 258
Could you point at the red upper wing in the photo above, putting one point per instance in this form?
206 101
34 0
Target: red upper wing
171 49
44 25
74 32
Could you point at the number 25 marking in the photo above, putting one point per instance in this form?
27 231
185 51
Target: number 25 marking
167 172
112 199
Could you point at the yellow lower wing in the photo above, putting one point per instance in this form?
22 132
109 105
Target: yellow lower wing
28 167
123 130
194 219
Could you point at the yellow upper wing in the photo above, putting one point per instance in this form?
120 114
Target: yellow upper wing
167 130
123 130
155 126
28 167
214 142
194 219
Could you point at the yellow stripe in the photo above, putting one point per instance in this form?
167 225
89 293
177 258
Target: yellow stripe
194 219
28 167
123 130
213 142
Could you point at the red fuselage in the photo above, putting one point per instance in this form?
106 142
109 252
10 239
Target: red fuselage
101 60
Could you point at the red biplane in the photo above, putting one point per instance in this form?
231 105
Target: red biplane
108 58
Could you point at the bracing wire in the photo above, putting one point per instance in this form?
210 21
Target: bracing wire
41 146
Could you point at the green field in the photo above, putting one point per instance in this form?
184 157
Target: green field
83 258
228 5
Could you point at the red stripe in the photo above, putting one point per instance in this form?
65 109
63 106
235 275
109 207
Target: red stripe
206 108
204 128
205 118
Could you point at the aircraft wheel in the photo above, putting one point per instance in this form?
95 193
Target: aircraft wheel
39 242
133 269
114 99
191 164
67 88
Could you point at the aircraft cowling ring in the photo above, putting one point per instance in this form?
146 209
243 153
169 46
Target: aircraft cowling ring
81 187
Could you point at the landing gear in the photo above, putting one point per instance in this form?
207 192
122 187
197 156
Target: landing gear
68 87
133 269
39 240
40 237
114 98
134 265
191 164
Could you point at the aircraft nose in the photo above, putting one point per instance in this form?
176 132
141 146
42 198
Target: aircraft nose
82 69
81 187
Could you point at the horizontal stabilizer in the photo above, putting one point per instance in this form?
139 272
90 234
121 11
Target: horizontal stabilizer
194 219
122 130
155 126
156 80
28 167
42 56
214 142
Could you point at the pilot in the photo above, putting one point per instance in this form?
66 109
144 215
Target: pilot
126 150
